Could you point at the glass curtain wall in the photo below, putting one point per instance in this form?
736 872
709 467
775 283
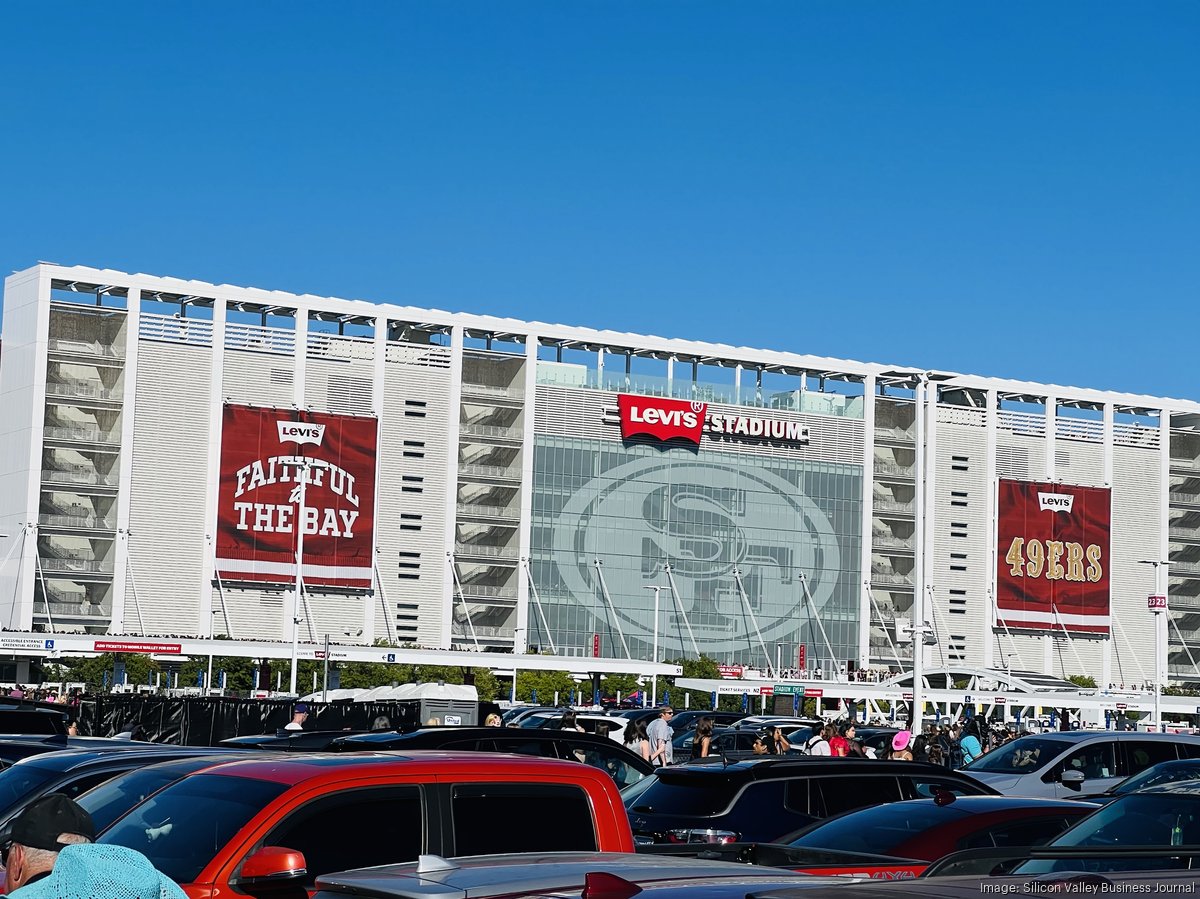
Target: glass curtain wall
638 507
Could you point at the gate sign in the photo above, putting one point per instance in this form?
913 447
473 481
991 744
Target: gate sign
1156 603
265 453
1053 557
730 671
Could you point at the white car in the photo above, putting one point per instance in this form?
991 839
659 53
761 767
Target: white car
589 723
1073 763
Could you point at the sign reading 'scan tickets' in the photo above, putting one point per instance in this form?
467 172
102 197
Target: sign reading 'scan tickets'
265 455
661 418
1053 557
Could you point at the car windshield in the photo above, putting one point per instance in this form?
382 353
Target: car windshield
878 829
1023 756
535 720
1159 774
113 798
1139 819
181 828
21 781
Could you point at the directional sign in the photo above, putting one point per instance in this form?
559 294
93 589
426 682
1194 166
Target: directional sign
967 699
766 691
1121 706
788 689
814 692
1000 700
730 671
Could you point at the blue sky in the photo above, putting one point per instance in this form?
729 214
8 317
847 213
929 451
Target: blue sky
1006 189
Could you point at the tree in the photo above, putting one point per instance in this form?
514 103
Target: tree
701 668
1083 680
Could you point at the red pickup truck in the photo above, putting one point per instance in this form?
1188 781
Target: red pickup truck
242 826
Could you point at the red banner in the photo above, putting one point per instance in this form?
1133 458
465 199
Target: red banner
1053 557
167 649
265 456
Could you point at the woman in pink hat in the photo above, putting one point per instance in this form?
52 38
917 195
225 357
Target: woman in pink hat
900 746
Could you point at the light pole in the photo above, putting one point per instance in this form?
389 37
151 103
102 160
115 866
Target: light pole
1157 604
778 665
303 465
654 650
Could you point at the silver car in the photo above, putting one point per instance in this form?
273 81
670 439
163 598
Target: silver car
1074 763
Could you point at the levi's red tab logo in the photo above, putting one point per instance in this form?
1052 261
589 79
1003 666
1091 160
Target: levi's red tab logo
661 418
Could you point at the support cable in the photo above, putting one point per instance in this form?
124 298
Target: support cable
608 601
737 577
812 612
463 600
537 603
679 602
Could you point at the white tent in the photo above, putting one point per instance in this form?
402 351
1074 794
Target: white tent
461 692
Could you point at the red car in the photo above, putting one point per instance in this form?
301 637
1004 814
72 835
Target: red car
238 827
928 829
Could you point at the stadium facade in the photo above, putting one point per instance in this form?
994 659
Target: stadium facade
470 481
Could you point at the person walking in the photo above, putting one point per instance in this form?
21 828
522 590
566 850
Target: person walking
660 734
901 744
970 742
702 742
839 746
818 743
779 744
569 721
636 739
299 716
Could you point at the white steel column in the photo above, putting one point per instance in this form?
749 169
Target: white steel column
525 533
1051 475
1106 651
216 398
1162 635
991 437
453 419
737 384
377 596
292 611
918 608
929 517
868 489
121 548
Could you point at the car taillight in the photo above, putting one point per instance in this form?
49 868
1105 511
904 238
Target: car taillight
701 835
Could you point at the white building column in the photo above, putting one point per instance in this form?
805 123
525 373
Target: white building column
377 597
1162 622
216 400
1106 658
453 420
1051 475
525 534
991 437
133 315
868 496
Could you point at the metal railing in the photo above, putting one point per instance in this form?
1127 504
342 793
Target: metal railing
892 543
896 433
493 391
485 551
84 522
489 590
891 505
81 433
904 471
496 472
879 576
492 432
480 510
83 565
1187 499
1185 568
84 348
83 389
461 629
93 478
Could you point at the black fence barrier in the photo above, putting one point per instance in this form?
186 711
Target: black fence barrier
206 721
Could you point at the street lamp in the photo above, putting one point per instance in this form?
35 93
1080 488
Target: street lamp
325 672
1157 604
654 650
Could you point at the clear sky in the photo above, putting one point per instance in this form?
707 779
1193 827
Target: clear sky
1004 188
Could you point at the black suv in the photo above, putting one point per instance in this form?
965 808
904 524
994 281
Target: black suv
760 799
626 767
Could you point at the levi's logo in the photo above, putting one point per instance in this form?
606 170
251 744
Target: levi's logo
662 419
300 432
1055 502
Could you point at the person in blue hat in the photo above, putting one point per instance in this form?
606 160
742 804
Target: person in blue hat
299 716
97 871
37 836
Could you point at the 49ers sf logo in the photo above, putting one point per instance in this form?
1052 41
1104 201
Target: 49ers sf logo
661 418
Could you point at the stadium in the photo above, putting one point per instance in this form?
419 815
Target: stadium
489 484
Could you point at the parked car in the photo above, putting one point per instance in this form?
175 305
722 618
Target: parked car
787 722
73 772
564 875
687 720
626 767
1154 776
931 828
1162 817
279 821
591 723
290 741
760 799
110 800
1058 765
521 713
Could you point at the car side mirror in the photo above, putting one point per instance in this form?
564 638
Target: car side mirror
1072 778
270 866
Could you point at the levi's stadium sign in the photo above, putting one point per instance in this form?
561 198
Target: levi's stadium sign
668 419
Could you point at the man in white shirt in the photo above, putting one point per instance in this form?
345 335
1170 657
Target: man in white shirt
299 716
660 735
818 743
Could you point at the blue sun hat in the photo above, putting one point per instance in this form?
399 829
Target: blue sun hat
91 870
